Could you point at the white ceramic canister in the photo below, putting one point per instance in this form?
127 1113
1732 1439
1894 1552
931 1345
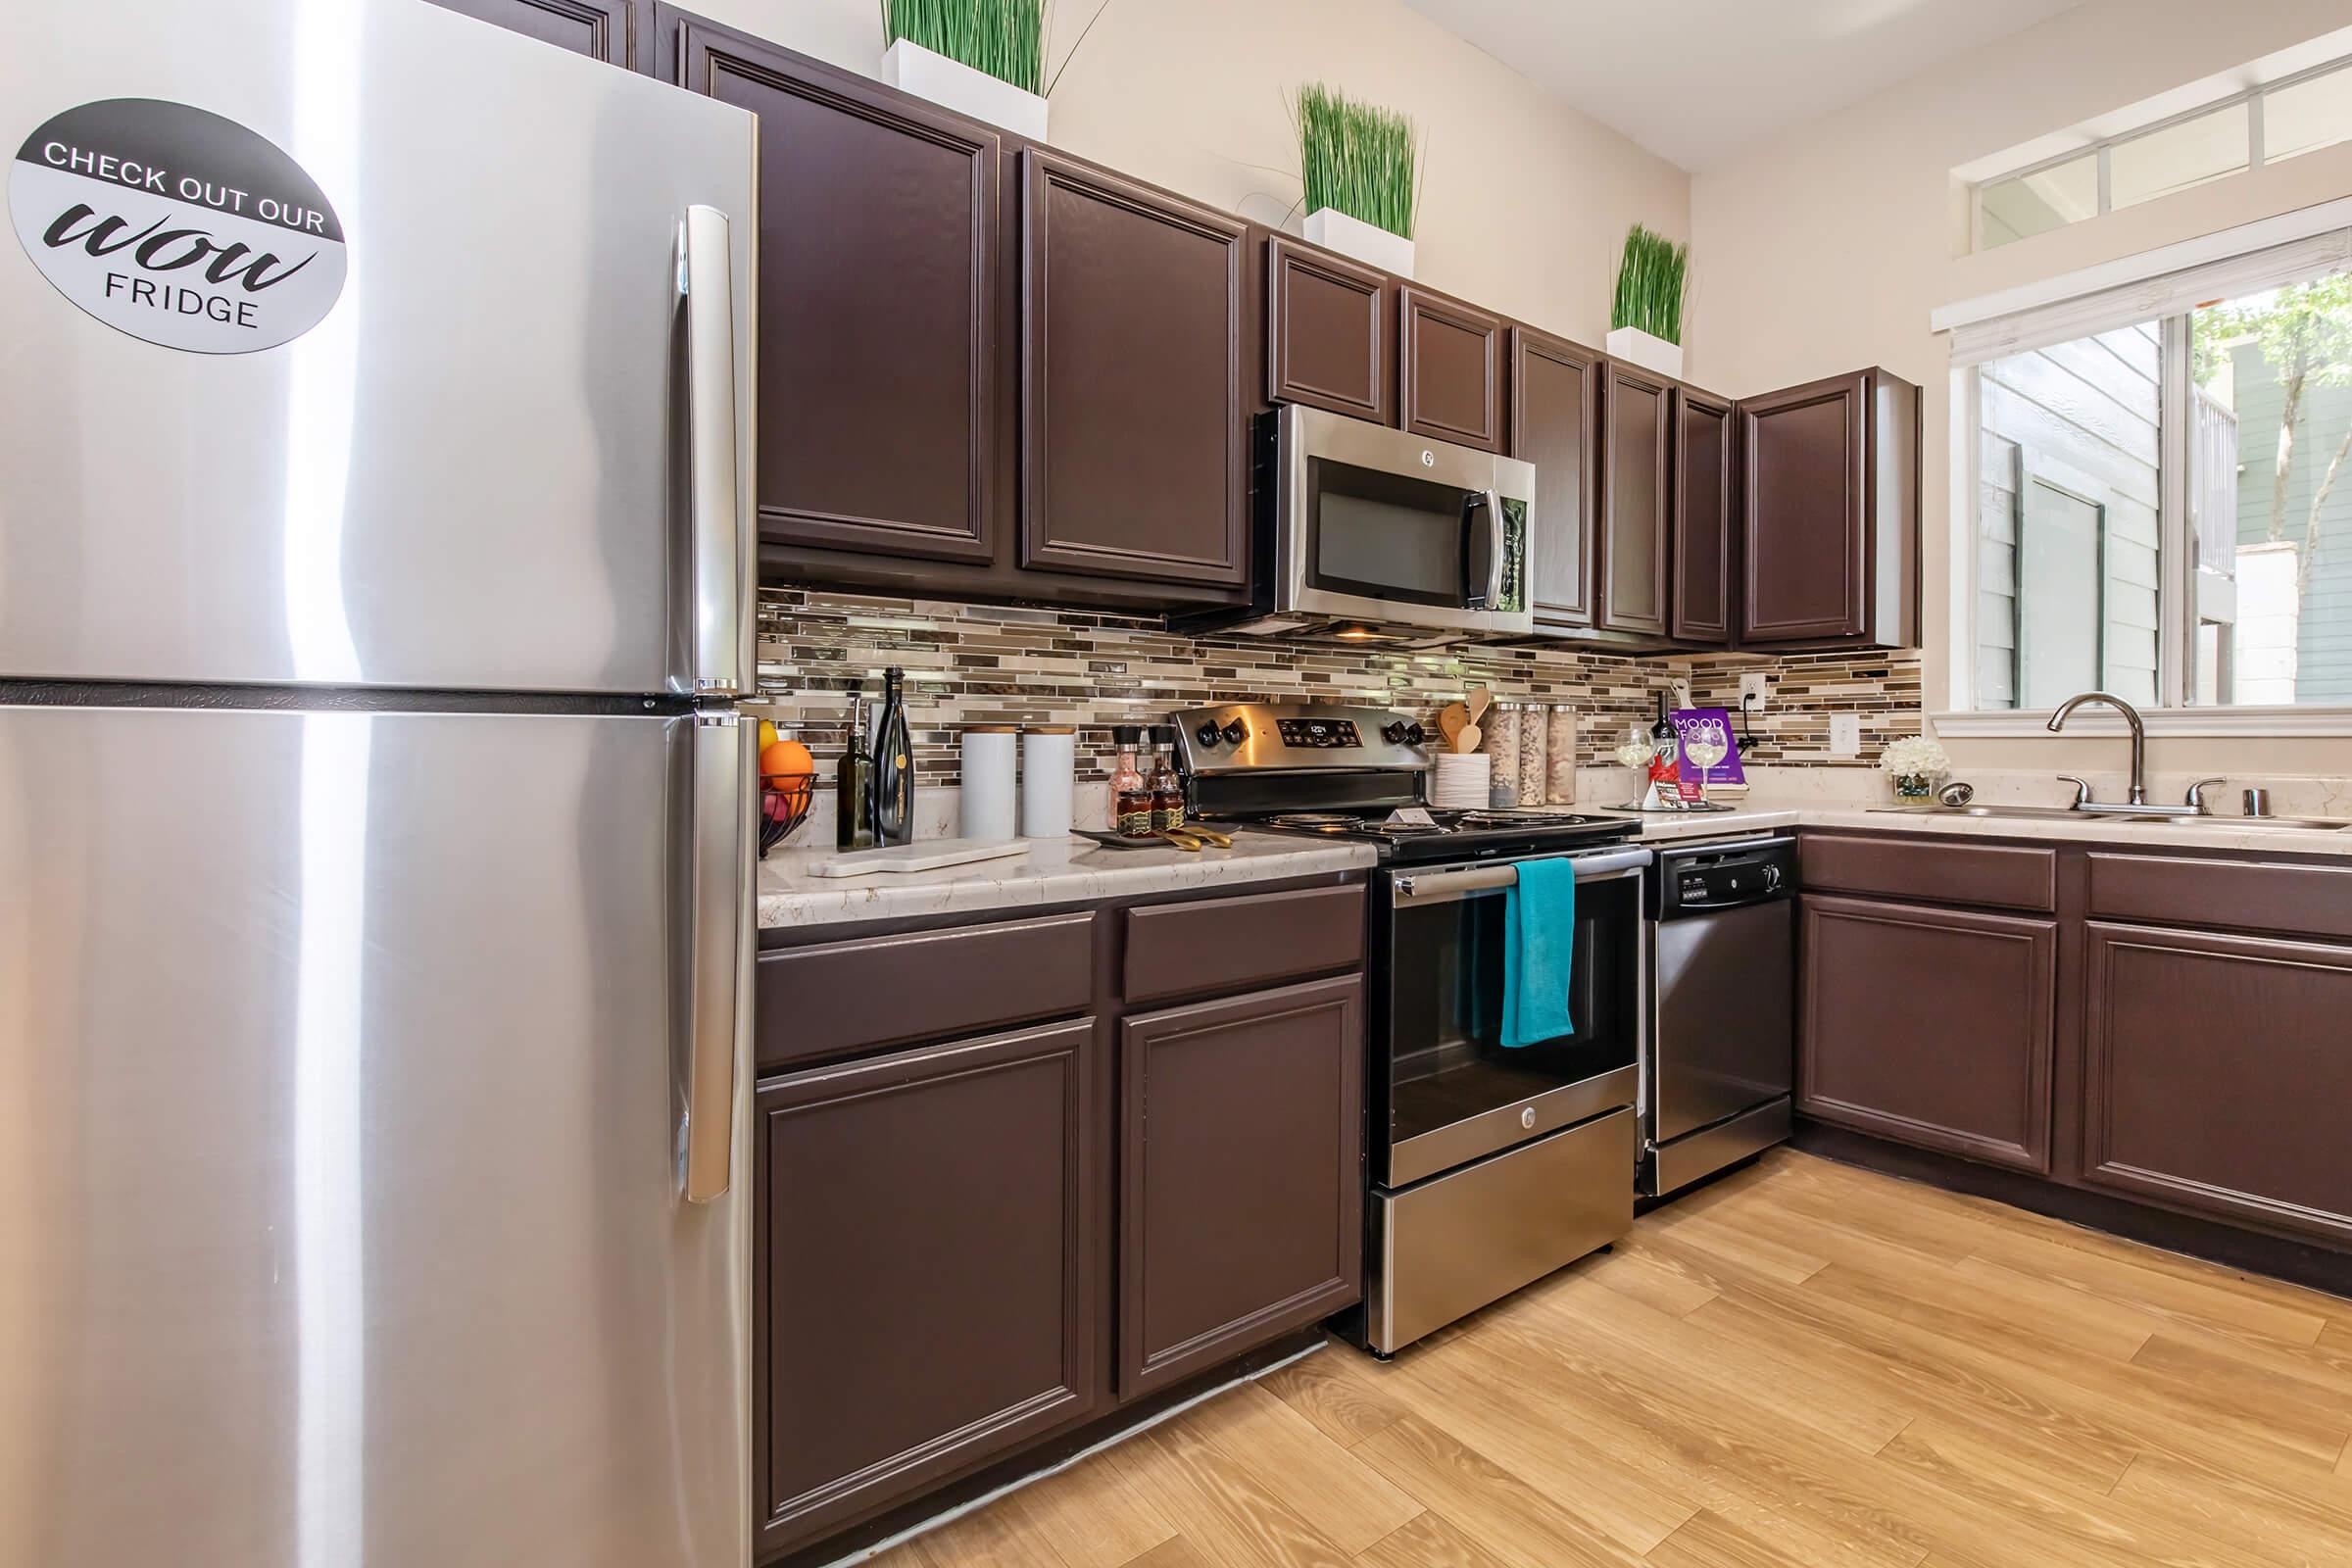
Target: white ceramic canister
1559 747
1048 761
987 800
1460 783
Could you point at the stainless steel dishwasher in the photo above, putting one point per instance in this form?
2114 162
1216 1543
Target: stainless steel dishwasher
1721 1060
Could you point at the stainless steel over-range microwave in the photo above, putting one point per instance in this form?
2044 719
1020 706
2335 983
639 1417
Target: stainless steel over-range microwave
1369 534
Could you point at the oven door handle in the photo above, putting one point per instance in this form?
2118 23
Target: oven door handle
1482 560
1443 887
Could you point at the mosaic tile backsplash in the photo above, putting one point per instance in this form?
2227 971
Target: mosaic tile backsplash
980 664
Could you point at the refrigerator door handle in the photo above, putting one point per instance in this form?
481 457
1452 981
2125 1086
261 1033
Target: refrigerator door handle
719 546
719 856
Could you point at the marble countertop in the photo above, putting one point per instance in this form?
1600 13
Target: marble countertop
1761 813
1053 871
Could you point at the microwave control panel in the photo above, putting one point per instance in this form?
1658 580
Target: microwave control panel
1320 734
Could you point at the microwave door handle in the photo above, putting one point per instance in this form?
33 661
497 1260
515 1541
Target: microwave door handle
1498 529
1479 555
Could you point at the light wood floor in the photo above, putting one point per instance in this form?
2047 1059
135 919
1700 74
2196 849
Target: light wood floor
1806 1365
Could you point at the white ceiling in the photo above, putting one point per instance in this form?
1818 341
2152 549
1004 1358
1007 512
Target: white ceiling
1696 80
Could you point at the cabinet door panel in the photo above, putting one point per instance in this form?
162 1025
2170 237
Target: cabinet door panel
1328 332
1933 1027
614 31
1135 452
1555 424
1637 425
1803 519
1703 517
2214 1074
931 1255
877 304
1449 364
1241 1176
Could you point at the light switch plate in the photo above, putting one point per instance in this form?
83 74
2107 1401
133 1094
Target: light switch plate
1846 734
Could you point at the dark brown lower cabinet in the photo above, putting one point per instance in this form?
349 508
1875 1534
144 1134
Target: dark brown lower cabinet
1928 1026
932 1253
2216 1070
1240 1178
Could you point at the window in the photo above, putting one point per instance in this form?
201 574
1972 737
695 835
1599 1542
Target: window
2297 114
2163 507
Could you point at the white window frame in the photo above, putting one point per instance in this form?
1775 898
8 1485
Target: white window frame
2150 270
2257 149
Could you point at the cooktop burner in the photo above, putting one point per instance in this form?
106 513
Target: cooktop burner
1474 835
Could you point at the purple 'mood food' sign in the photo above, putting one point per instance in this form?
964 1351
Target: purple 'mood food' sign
1688 719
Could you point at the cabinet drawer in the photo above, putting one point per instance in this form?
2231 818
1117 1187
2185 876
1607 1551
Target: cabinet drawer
2003 876
843 997
2307 900
1197 949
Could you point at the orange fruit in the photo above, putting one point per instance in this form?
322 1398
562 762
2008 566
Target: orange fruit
793 759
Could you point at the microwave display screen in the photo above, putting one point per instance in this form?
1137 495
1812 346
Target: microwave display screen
1319 734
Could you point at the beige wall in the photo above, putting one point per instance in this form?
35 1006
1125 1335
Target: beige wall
1826 248
1524 202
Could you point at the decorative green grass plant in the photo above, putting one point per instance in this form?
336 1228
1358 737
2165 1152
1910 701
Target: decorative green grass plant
1357 158
1006 39
1649 285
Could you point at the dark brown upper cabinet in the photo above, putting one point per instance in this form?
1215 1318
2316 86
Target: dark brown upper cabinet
2207 1062
614 32
1555 424
1977 995
1330 335
1703 517
1637 428
1828 515
1449 370
932 1258
1241 1207
878 305
1135 401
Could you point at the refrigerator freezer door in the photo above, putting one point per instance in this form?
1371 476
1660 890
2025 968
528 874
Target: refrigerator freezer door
343 1074
476 471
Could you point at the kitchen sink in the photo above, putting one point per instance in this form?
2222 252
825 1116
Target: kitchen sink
2052 813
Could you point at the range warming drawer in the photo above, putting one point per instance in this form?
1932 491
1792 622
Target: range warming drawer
1457 1242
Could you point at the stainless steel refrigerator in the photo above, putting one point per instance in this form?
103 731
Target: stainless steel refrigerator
374 819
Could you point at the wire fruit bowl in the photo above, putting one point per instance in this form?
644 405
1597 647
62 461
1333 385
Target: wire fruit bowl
784 801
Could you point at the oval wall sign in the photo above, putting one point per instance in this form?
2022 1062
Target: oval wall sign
177 226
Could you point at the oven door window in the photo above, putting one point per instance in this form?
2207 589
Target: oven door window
1447 1066
1390 536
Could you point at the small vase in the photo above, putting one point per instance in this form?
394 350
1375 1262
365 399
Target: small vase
1913 786
952 84
1368 243
1649 353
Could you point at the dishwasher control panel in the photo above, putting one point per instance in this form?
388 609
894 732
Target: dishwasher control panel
1727 877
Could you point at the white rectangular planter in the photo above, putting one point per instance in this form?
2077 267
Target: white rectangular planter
1368 243
1631 344
952 84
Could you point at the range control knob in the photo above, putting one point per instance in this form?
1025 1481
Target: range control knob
1392 732
1236 732
1414 735
1206 734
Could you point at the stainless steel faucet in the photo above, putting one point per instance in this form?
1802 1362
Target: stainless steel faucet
2140 742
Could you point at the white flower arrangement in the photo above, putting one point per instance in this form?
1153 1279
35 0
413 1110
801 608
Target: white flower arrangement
1914 757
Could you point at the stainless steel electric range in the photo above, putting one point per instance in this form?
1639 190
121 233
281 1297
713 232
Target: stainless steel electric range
1488 1167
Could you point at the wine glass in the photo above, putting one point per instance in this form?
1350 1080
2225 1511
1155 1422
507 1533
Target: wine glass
1705 744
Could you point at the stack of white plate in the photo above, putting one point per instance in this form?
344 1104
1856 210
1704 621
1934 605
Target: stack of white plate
1460 783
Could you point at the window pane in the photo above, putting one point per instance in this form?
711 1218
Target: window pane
2305 116
2035 204
2067 495
2179 156
2271 496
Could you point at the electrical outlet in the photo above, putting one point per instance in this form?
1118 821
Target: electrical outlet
1846 734
1752 687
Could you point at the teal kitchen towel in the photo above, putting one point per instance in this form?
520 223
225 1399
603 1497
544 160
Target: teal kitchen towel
1539 949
